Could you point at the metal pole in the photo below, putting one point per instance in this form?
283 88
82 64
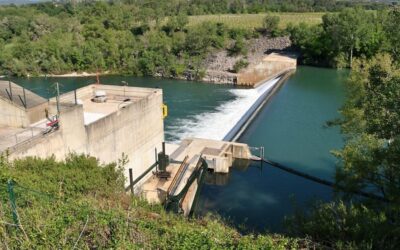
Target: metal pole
131 180
25 104
76 99
10 188
155 151
9 84
58 99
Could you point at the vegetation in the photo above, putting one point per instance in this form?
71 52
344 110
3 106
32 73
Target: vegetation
271 24
142 37
240 64
350 33
201 7
369 161
80 204
255 21
114 37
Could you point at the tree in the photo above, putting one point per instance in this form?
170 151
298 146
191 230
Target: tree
353 31
271 24
369 162
368 159
392 29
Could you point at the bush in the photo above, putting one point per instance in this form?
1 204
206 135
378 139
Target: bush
239 48
81 204
271 24
240 64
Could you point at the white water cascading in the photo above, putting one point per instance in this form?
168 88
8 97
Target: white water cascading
229 117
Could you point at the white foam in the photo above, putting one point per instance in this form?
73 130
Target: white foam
216 125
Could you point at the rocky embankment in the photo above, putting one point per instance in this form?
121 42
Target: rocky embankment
219 66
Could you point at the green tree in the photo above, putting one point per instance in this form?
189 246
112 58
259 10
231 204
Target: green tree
353 32
271 24
368 162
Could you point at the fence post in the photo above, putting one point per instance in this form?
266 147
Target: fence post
9 84
10 188
76 98
131 180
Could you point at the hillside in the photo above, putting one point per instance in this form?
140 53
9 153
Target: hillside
81 204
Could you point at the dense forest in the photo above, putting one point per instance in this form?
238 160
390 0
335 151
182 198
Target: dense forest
153 38
120 38
346 35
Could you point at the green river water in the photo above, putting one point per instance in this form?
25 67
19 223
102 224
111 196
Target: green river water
290 127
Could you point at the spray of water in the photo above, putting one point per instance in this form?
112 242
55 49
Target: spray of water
217 124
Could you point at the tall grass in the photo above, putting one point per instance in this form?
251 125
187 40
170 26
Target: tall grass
250 21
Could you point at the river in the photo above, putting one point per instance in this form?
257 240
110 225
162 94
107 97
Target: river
290 127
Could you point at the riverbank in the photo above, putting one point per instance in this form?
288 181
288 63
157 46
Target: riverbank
77 74
219 66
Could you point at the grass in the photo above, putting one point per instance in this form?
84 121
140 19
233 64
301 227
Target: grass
79 203
250 21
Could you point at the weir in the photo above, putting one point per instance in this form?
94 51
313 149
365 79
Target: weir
193 156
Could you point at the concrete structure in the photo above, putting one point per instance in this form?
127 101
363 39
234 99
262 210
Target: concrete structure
129 123
19 107
219 156
272 65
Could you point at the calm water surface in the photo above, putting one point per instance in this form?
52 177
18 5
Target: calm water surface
290 127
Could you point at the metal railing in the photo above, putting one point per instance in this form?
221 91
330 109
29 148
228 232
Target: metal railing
22 136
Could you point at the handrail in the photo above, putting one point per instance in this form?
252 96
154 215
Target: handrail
173 183
140 177
12 103
197 168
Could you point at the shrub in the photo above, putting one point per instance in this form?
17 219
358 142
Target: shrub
240 64
271 24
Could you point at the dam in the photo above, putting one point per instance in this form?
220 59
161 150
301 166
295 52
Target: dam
193 156
119 127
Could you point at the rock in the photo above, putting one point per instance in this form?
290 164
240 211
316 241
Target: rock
218 65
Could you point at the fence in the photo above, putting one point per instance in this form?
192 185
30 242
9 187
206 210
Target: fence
22 136
19 95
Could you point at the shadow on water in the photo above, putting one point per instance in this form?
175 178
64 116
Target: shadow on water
292 130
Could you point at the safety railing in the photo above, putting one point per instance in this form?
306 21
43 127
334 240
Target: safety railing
22 136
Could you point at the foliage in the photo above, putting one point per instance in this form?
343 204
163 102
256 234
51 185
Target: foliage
255 21
201 7
351 33
369 162
98 36
240 64
271 24
80 204
346 226
239 48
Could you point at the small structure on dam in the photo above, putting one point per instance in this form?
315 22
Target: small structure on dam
269 67
189 161
104 121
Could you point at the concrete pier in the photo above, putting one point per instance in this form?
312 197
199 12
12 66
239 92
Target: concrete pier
218 155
